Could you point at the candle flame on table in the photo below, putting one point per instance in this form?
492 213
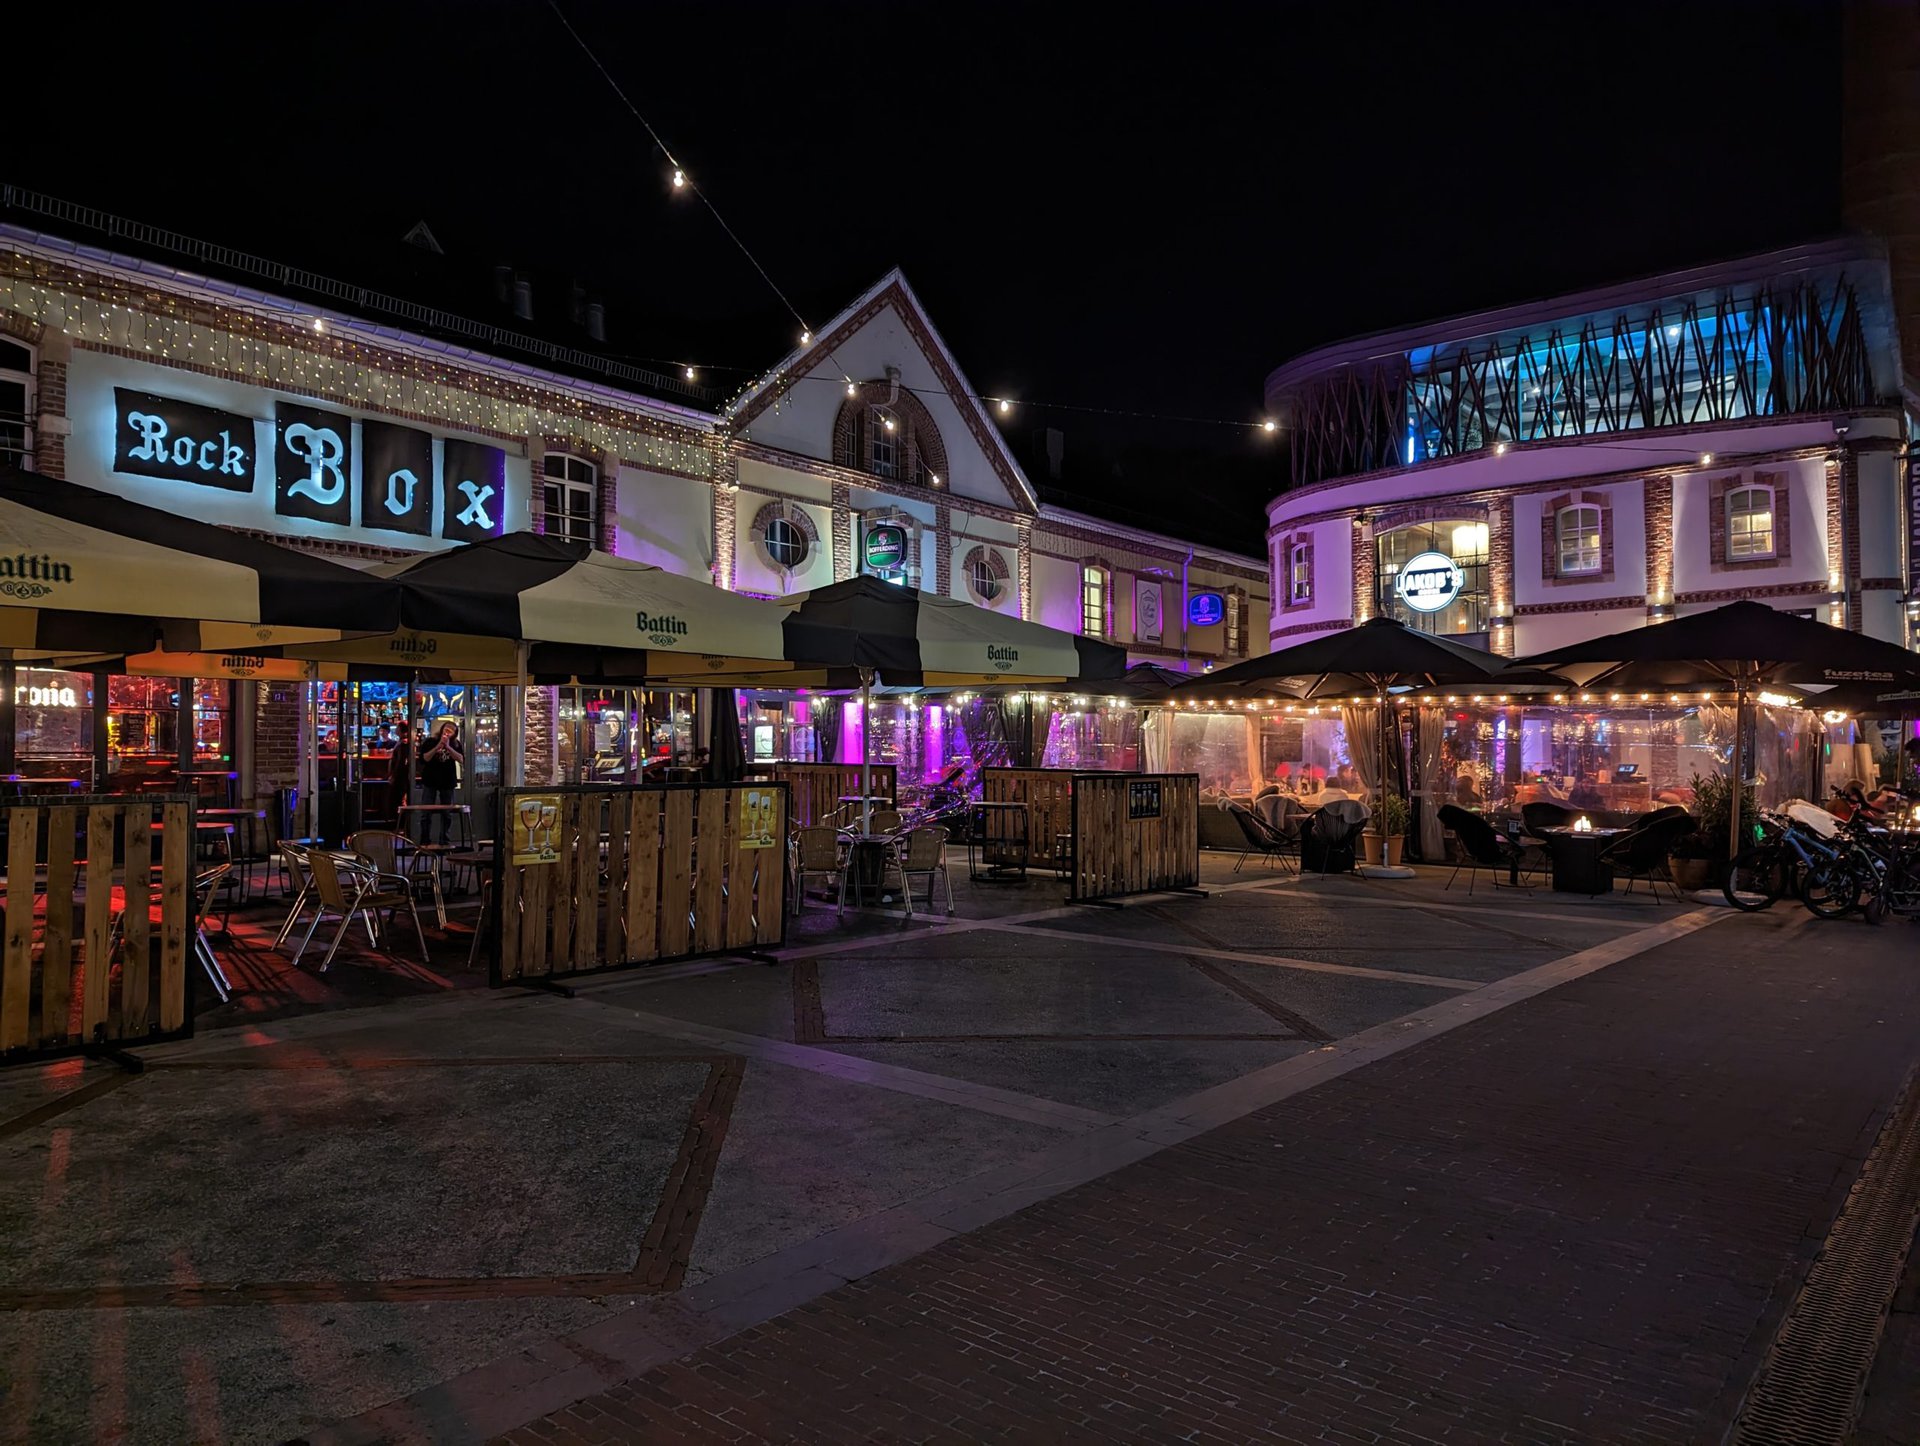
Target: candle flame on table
1583 824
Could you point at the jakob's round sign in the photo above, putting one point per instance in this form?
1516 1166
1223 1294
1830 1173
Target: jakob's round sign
1428 582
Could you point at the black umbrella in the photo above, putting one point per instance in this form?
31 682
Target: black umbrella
726 757
1745 645
1379 656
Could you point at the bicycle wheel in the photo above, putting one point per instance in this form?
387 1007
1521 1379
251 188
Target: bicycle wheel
1755 879
1830 888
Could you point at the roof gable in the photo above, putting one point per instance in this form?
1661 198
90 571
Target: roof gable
794 406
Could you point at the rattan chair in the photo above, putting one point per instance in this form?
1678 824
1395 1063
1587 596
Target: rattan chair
817 850
1261 838
346 891
921 853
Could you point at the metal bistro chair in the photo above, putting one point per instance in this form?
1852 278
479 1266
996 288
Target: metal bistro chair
883 820
817 851
293 858
921 854
347 890
1480 844
381 848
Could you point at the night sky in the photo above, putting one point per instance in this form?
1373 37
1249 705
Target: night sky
1140 217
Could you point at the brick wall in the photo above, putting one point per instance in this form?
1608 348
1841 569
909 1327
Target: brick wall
943 550
542 719
1500 579
842 531
1850 539
1363 560
1657 493
276 739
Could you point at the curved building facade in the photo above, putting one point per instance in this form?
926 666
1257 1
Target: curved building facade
1528 476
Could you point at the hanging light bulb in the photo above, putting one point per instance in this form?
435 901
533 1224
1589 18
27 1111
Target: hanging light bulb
679 178
1269 425
1006 406
889 424
852 390
689 373
806 337
320 325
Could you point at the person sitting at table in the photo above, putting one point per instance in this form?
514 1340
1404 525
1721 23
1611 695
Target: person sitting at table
440 777
1466 790
1347 781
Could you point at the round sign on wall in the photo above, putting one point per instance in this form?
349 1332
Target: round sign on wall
886 547
1428 582
1206 610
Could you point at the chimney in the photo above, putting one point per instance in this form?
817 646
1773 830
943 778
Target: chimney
1056 452
503 284
522 297
596 321
577 304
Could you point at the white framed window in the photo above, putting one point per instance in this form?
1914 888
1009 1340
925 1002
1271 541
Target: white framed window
1095 589
569 498
786 544
1300 572
16 403
1576 531
1750 523
884 442
986 576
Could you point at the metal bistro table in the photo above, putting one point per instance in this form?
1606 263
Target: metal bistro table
997 846
1578 865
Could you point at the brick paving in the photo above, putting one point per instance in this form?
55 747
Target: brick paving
1579 1219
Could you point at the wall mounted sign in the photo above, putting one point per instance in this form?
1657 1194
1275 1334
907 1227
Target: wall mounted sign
536 827
886 547
326 467
1429 582
1143 799
1147 624
181 441
756 818
473 491
312 460
1206 610
396 478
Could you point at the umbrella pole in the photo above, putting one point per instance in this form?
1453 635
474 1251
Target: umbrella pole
1735 793
866 751
519 714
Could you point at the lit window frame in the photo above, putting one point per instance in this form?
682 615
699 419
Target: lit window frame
1739 540
1300 573
1576 556
1096 600
565 477
21 455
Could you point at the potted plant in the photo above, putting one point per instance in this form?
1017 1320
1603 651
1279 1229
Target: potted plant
1371 845
1394 817
1712 806
1690 861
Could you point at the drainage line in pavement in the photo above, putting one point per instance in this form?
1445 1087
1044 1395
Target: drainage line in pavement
1810 1385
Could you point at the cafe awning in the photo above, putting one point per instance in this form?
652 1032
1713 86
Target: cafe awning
84 574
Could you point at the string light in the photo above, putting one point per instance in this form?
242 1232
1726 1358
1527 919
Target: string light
1706 459
689 373
806 337
1005 406
852 390
1269 425
1499 449
679 179
320 325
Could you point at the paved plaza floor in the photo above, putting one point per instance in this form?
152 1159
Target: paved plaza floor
1299 1157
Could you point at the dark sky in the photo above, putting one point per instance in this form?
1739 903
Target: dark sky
1143 216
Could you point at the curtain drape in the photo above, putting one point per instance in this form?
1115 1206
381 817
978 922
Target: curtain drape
1432 786
1155 727
1363 745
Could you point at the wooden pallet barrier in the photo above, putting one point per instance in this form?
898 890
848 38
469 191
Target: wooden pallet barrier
819 787
97 916
1134 833
1048 795
599 878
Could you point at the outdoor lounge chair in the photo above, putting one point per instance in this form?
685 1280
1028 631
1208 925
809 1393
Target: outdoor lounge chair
1641 853
1261 837
1330 835
1481 846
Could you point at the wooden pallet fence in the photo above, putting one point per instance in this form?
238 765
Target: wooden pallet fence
638 875
819 787
1134 833
1048 795
97 914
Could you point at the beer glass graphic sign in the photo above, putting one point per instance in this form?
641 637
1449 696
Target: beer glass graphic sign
536 827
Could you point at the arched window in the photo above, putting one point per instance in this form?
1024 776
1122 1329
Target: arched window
1096 600
569 498
1577 533
16 403
986 575
1300 573
885 431
1750 523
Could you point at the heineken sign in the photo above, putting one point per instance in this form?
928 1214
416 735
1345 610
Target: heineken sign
886 547
1429 582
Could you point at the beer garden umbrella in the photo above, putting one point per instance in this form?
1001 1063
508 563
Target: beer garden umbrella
1744 645
861 631
1380 656
87 575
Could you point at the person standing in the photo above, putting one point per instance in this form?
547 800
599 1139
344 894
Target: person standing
440 777
400 774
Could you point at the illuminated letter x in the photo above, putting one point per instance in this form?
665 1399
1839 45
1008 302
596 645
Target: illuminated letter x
474 514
